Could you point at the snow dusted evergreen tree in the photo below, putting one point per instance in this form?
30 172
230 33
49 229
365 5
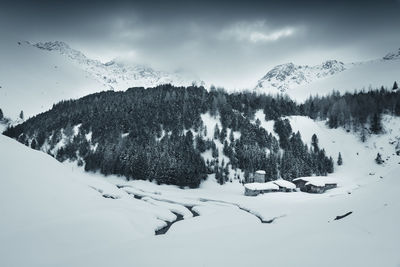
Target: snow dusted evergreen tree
340 160
379 159
395 86
314 143
33 144
376 124
363 134
216 132
231 137
21 115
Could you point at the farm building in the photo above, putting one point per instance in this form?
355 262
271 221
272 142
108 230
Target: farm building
254 189
315 184
285 186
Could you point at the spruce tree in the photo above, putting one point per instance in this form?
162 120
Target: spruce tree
33 144
395 86
378 159
21 115
216 132
1 114
376 125
314 143
340 160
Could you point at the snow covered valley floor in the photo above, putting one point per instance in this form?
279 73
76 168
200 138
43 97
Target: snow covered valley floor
54 214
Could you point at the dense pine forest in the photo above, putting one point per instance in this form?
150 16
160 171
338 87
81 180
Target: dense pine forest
158 133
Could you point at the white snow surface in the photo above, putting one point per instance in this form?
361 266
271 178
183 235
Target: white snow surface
33 80
284 183
262 186
53 214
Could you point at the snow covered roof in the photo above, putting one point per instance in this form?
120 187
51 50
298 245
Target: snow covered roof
284 183
316 180
262 186
261 172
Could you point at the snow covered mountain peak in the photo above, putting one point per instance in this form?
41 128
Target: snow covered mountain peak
115 74
285 76
392 55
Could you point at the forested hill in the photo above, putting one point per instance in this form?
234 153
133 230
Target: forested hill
160 133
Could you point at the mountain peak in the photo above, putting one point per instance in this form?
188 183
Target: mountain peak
288 75
116 74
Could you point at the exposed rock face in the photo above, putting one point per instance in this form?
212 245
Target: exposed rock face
285 76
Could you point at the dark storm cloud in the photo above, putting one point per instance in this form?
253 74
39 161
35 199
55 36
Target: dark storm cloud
227 42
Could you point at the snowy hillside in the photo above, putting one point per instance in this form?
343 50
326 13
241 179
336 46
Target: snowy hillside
59 216
33 80
116 74
299 82
34 77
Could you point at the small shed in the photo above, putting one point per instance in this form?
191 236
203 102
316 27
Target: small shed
259 176
254 189
285 186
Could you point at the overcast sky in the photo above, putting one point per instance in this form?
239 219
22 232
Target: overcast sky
227 43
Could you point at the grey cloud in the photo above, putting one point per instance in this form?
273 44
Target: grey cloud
229 43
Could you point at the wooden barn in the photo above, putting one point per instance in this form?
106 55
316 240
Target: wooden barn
315 184
254 189
285 186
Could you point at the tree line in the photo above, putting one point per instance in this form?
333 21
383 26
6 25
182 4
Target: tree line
158 134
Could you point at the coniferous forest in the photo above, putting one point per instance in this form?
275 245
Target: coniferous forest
158 133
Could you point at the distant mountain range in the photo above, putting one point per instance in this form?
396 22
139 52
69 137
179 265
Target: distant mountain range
300 81
35 76
116 74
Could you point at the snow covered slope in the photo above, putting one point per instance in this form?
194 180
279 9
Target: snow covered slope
299 82
34 77
52 214
33 80
116 74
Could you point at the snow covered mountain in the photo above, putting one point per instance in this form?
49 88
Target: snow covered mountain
33 80
116 74
286 76
299 82
34 77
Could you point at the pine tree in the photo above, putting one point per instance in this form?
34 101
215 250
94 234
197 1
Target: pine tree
214 150
376 125
363 135
378 159
314 143
33 144
1 114
395 86
216 132
231 137
21 115
340 160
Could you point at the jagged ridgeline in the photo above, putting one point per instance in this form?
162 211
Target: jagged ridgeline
161 134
